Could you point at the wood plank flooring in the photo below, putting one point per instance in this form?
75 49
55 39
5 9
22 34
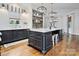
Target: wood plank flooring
67 47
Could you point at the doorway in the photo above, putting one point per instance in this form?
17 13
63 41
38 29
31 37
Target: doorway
72 39
69 30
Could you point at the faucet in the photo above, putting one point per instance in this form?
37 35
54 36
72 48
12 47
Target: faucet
50 25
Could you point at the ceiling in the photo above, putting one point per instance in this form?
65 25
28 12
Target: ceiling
66 5
54 5
60 8
63 8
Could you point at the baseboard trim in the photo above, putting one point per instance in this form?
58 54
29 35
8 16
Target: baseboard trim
14 43
72 33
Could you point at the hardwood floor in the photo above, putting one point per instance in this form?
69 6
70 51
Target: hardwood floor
67 47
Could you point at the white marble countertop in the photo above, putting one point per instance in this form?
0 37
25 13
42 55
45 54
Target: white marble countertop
12 29
33 29
45 29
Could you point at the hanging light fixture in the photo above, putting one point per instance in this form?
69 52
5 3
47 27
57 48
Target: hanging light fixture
3 9
24 15
52 13
42 9
53 16
3 5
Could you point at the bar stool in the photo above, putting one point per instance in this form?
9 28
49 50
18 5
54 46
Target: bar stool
53 39
57 38
0 36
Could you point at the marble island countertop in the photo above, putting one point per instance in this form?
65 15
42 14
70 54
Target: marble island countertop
33 29
1 29
45 29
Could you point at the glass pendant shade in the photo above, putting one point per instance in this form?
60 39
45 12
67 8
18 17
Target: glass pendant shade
52 13
42 9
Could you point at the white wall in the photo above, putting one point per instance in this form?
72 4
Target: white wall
29 17
64 24
76 30
6 15
26 17
4 20
74 23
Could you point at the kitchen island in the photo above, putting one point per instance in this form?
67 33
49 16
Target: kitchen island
42 39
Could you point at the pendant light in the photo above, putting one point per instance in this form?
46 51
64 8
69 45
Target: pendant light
2 7
24 15
52 13
53 17
4 17
42 8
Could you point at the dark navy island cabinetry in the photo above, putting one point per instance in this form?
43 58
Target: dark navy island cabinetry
9 36
42 40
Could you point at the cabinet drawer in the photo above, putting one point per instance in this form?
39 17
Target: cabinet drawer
37 37
32 33
36 43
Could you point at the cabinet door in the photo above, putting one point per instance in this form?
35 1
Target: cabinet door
20 34
39 44
48 40
15 35
25 33
31 41
7 37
